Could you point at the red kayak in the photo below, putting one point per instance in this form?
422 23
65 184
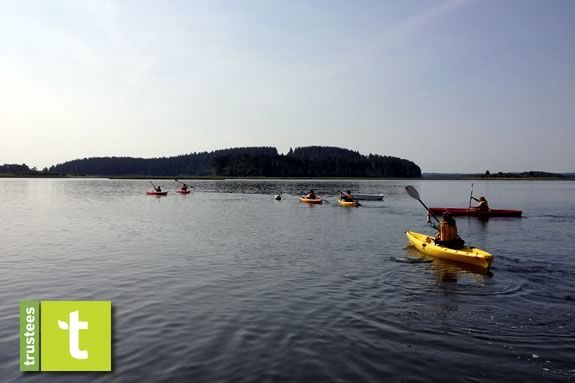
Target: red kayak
183 191
156 193
476 212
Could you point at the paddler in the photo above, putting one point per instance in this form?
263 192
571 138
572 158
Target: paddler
347 196
483 206
447 235
158 189
311 195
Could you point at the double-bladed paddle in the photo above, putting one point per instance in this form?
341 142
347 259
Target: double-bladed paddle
183 183
415 195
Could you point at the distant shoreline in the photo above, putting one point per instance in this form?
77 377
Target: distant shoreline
434 177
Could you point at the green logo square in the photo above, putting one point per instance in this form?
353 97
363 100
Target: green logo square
76 336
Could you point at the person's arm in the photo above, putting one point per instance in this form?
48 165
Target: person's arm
475 199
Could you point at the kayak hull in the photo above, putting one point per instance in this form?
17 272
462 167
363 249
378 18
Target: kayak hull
476 213
468 255
313 201
156 193
182 191
348 203
368 197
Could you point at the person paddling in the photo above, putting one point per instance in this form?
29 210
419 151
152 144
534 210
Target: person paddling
483 206
311 195
158 189
447 235
184 187
347 196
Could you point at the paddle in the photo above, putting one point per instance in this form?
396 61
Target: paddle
155 188
415 195
183 183
471 195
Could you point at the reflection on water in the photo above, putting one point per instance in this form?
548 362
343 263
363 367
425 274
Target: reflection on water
228 285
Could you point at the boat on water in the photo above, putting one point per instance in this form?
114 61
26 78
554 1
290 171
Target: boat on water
183 191
368 197
345 203
469 255
473 212
313 201
149 192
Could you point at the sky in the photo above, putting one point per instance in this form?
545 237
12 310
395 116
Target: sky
453 85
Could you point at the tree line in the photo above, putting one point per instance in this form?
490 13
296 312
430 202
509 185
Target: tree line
315 161
310 161
23 170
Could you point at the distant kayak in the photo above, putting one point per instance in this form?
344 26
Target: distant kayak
476 212
469 255
368 197
183 191
156 193
347 203
315 201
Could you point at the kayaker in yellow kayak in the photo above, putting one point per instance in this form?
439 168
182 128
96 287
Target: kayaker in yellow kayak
447 235
347 196
483 206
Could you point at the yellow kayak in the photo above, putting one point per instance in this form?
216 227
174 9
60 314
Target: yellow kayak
311 200
347 203
469 255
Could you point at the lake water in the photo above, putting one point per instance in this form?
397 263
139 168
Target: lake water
228 285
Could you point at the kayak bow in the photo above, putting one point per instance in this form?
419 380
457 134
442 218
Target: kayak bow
469 255
347 203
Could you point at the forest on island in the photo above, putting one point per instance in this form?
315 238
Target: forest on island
310 161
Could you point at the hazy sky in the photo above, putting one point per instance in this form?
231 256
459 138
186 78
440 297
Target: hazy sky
452 85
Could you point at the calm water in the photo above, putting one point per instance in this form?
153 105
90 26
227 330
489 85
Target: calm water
228 285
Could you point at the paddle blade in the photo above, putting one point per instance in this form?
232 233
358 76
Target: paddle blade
412 192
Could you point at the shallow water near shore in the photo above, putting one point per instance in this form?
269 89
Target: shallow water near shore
228 285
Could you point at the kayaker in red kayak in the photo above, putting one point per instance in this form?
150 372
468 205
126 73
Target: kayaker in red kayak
483 206
447 235
158 189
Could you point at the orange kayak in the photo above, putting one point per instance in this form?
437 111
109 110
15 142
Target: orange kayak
314 201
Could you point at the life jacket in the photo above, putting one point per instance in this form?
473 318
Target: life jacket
447 232
350 196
